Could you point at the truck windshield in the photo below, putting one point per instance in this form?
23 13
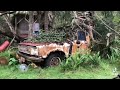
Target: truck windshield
81 35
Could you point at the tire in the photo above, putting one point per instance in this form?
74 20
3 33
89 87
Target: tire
53 60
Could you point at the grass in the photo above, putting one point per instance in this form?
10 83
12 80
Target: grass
105 71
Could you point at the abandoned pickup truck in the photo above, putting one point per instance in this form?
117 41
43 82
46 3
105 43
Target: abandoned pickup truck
52 53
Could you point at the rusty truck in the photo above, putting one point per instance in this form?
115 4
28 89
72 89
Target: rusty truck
52 53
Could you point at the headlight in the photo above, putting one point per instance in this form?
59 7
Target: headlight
33 51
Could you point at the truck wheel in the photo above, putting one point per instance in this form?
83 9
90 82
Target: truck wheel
53 60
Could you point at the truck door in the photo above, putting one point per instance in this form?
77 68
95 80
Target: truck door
80 44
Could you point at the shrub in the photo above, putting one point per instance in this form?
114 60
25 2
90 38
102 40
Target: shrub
115 55
83 60
13 61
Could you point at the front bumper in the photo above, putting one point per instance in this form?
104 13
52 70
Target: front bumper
30 57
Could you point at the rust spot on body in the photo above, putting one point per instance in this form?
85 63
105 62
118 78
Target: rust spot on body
83 46
45 50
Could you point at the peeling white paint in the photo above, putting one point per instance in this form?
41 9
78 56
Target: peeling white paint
66 45
34 51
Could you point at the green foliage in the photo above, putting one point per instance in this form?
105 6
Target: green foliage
81 60
12 62
115 51
111 18
62 18
50 36
115 55
107 17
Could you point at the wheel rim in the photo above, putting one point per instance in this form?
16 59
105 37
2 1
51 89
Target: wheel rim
55 61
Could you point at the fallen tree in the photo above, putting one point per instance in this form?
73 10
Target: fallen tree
10 35
7 29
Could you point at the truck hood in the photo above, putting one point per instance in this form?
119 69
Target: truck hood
34 44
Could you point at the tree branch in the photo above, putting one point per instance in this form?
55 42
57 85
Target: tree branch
106 24
9 24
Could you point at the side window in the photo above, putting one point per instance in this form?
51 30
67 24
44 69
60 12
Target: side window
81 35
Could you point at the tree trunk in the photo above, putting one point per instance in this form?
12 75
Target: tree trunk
51 18
46 21
39 14
31 21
